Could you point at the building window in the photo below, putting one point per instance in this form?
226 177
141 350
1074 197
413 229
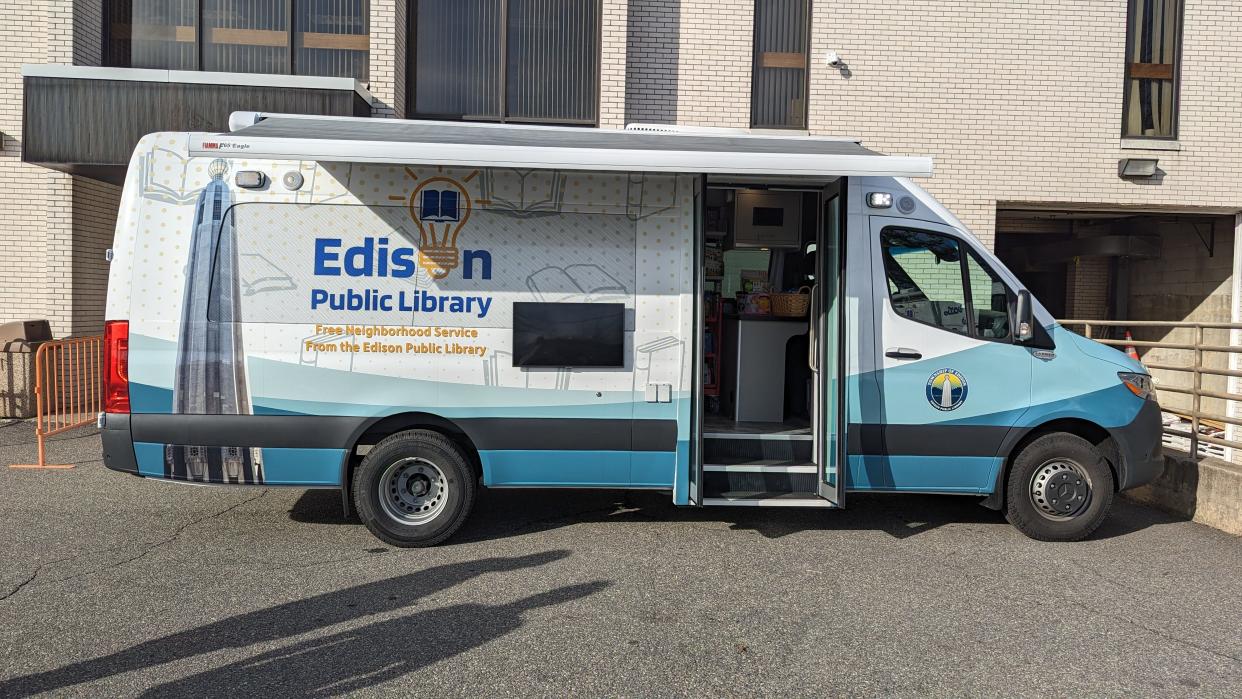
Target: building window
288 37
779 75
506 60
1154 39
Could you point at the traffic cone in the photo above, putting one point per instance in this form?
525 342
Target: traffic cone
1131 352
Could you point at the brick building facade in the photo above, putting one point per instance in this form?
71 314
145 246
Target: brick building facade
1020 103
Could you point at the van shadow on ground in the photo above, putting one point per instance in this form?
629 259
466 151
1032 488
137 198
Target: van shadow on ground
337 663
502 513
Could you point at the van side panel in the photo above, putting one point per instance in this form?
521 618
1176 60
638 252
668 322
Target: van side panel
898 440
374 291
897 443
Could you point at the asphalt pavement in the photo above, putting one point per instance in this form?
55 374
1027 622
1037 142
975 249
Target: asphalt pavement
116 586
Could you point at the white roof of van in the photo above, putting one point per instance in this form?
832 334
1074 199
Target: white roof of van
366 140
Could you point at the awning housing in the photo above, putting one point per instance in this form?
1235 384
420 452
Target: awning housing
365 140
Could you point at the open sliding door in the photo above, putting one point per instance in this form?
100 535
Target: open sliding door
694 467
827 349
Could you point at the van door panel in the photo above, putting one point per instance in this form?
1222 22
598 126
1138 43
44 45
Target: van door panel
946 396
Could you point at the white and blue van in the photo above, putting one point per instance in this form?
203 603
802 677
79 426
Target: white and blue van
409 311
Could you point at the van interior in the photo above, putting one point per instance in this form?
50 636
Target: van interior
757 403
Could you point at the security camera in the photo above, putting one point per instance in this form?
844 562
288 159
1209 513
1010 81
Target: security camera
831 58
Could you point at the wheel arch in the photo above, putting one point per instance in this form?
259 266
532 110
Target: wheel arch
374 431
1019 438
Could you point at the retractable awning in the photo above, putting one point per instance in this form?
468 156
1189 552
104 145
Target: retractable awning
350 139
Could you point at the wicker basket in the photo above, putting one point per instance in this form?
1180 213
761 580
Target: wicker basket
792 305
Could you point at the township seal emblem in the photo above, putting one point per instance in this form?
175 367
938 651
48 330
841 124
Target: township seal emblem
946 390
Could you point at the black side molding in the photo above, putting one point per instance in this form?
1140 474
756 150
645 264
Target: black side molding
339 432
569 434
925 440
303 431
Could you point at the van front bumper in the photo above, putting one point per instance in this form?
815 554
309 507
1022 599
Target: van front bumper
1140 448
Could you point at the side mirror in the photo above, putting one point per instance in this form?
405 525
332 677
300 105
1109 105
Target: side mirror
1026 319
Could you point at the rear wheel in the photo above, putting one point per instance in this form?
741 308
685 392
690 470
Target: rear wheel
1060 488
414 489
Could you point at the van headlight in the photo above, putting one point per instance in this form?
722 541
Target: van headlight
1139 384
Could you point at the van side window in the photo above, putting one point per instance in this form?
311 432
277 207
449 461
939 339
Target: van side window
924 273
989 300
934 279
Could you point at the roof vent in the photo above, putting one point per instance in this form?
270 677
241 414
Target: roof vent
677 128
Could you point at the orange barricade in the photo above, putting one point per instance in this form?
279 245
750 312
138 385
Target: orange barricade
68 389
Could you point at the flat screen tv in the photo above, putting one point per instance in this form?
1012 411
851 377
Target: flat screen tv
568 334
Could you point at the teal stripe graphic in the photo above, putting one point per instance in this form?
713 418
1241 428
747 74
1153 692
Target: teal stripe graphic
574 468
150 458
944 474
281 466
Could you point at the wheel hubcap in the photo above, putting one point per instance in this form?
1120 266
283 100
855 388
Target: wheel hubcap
1060 489
413 490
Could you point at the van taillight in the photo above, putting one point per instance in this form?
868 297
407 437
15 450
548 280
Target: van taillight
116 366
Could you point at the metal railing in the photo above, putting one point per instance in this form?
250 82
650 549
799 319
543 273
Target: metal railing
68 389
1196 369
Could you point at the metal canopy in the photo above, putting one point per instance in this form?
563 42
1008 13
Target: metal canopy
366 140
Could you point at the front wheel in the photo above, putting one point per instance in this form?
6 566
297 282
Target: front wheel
1060 488
414 489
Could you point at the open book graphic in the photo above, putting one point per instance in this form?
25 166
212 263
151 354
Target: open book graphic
439 206
582 283
262 275
523 193
163 176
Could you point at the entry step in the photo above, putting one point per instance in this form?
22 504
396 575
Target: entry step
740 464
771 436
753 498
775 476
729 448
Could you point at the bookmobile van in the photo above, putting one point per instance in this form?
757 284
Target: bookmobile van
409 311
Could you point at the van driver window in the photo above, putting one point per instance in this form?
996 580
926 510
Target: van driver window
924 273
989 300
933 279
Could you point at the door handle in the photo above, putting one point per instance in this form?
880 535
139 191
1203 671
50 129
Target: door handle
813 331
902 353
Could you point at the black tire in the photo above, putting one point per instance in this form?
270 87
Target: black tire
408 462
1047 477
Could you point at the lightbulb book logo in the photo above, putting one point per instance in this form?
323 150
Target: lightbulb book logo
440 207
946 390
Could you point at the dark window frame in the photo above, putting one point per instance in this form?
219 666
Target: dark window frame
1176 79
201 45
411 73
968 293
756 57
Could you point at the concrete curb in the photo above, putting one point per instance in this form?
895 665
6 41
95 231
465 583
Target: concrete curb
1208 491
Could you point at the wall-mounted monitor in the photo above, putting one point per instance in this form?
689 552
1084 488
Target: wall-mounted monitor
568 334
767 219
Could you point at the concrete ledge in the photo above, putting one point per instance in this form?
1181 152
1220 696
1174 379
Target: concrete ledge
1208 491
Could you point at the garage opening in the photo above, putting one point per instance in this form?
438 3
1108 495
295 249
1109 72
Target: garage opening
1128 266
